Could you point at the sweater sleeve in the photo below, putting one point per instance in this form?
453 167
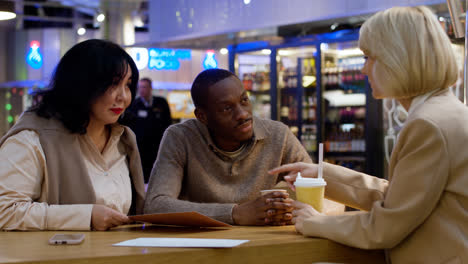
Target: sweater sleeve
353 188
22 179
166 182
293 150
419 173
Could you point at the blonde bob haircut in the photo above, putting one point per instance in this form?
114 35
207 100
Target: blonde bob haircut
412 52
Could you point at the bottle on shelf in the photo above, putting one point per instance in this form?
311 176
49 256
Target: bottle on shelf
247 81
312 115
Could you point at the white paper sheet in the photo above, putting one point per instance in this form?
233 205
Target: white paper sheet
180 242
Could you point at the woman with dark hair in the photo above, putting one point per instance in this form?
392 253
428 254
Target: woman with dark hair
68 164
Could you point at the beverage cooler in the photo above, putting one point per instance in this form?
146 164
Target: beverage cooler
352 120
315 86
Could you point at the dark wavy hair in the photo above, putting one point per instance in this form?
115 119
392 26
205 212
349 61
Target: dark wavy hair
83 74
205 80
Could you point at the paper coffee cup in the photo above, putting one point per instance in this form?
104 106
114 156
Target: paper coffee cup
263 192
311 191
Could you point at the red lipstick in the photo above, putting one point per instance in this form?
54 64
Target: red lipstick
117 111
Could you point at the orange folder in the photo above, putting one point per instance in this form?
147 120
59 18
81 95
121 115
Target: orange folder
179 219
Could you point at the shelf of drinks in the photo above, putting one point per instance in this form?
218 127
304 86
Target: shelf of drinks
346 89
310 89
261 92
289 122
347 154
357 165
345 106
256 81
288 90
345 122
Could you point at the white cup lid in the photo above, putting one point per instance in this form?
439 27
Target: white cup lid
309 182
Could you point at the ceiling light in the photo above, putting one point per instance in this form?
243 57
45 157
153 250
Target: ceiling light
266 51
137 18
246 2
7 10
100 17
334 26
81 31
224 51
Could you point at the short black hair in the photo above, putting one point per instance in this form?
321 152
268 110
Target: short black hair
83 74
205 80
148 80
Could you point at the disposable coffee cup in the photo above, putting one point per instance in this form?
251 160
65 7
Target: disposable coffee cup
263 192
311 191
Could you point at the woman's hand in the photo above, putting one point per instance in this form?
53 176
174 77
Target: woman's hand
301 213
103 218
306 169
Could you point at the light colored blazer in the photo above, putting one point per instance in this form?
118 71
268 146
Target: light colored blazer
421 214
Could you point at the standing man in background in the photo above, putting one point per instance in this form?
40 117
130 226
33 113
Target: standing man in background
148 117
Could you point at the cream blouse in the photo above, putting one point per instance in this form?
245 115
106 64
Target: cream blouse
23 204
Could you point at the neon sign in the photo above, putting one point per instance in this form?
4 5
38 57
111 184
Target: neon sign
167 59
34 57
210 61
139 56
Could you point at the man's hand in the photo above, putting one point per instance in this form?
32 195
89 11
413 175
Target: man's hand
273 209
103 218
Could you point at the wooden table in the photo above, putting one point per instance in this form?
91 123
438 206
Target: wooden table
267 245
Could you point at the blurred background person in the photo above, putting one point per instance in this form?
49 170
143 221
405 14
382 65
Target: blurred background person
67 164
148 116
420 213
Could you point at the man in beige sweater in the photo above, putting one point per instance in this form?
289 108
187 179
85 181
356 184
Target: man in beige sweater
218 163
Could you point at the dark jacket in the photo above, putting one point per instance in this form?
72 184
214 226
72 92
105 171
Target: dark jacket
149 124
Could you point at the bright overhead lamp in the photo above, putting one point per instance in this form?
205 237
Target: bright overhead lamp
7 10
224 51
81 31
100 18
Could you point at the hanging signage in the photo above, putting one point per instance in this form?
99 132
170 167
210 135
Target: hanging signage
139 56
167 59
210 62
158 59
34 56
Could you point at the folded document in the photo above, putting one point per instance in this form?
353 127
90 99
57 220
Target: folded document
179 219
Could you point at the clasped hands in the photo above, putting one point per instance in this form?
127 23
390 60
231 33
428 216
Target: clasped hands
273 209
270 209
301 211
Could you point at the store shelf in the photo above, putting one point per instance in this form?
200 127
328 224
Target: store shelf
346 154
263 92
349 158
288 90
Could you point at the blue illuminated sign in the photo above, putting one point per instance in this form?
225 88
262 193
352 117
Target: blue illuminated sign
210 61
167 59
139 56
34 57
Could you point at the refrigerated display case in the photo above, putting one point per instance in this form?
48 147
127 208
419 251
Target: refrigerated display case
16 97
297 93
253 69
334 107
344 95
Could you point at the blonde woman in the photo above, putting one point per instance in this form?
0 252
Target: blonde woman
421 213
